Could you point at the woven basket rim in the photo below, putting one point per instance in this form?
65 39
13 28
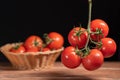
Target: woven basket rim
4 50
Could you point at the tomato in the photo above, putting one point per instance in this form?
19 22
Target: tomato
93 60
17 48
32 50
108 47
45 49
98 25
78 37
54 40
69 57
33 42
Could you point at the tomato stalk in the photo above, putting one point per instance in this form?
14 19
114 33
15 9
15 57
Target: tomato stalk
89 43
85 51
89 20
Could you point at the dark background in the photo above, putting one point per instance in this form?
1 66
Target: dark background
20 19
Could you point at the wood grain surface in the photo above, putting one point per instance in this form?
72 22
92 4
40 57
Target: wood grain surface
108 71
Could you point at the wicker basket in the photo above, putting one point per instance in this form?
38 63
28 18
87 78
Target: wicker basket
30 60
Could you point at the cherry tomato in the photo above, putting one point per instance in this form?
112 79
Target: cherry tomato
108 47
100 26
33 42
45 49
69 57
93 60
56 40
18 48
78 37
32 49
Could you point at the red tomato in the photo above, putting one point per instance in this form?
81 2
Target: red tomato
32 50
108 47
45 49
100 26
78 38
56 40
69 57
33 42
18 48
93 61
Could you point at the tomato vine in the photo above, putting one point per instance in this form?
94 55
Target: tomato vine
89 46
85 51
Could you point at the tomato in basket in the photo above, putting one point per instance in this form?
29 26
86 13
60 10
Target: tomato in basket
17 48
54 40
33 43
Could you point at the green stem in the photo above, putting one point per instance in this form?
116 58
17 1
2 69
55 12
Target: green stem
89 20
85 51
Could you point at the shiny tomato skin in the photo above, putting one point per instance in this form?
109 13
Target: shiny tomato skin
18 49
108 47
101 25
57 40
69 58
33 42
93 61
75 40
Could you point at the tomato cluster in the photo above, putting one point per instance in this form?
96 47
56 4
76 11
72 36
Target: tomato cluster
89 46
35 43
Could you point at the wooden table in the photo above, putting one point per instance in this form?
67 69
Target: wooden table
108 71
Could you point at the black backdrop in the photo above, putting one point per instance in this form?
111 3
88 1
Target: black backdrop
20 19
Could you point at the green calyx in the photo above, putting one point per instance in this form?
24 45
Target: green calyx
82 52
47 39
16 46
36 43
